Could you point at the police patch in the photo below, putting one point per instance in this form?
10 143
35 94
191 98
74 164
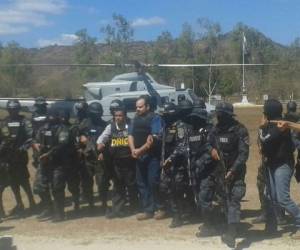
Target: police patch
13 124
63 136
180 133
29 125
48 133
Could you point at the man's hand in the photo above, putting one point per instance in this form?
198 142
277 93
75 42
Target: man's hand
100 157
282 125
134 154
137 153
167 163
36 146
83 139
149 141
215 155
229 176
100 147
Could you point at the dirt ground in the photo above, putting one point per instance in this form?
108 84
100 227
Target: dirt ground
96 232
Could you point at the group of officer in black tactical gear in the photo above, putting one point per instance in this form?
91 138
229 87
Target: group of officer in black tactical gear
179 163
204 163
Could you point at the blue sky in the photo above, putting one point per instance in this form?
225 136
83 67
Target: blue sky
38 23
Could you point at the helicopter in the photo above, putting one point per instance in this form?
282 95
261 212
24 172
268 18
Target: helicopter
126 87
129 86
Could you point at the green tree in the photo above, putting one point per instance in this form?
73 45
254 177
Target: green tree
164 52
15 78
86 53
118 36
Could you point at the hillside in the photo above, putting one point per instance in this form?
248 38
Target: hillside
67 81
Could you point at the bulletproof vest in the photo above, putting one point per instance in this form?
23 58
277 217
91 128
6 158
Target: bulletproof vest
38 121
279 150
14 130
119 147
63 135
95 129
197 138
228 142
141 129
48 137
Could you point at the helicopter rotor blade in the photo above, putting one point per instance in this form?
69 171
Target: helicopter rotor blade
66 65
206 65
140 65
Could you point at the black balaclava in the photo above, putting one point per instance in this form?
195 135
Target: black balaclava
273 109
224 119
41 109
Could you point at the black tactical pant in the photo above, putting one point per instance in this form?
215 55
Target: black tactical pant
4 182
103 175
87 172
41 185
236 191
19 177
124 188
206 194
165 188
62 176
207 189
182 196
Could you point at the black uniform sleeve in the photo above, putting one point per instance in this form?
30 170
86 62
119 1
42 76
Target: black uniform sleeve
181 142
243 149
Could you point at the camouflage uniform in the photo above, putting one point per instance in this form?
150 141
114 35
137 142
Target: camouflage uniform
38 120
91 128
4 176
181 178
17 132
231 139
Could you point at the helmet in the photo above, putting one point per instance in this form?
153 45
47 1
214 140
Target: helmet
199 112
95 108
40 101
225 107
291 106
273 109
80 106
13 104
169 108
116 105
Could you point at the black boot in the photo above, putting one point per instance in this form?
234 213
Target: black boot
76 203
46 206
18 210
230 235
176 221
208 228
59 214
2 212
